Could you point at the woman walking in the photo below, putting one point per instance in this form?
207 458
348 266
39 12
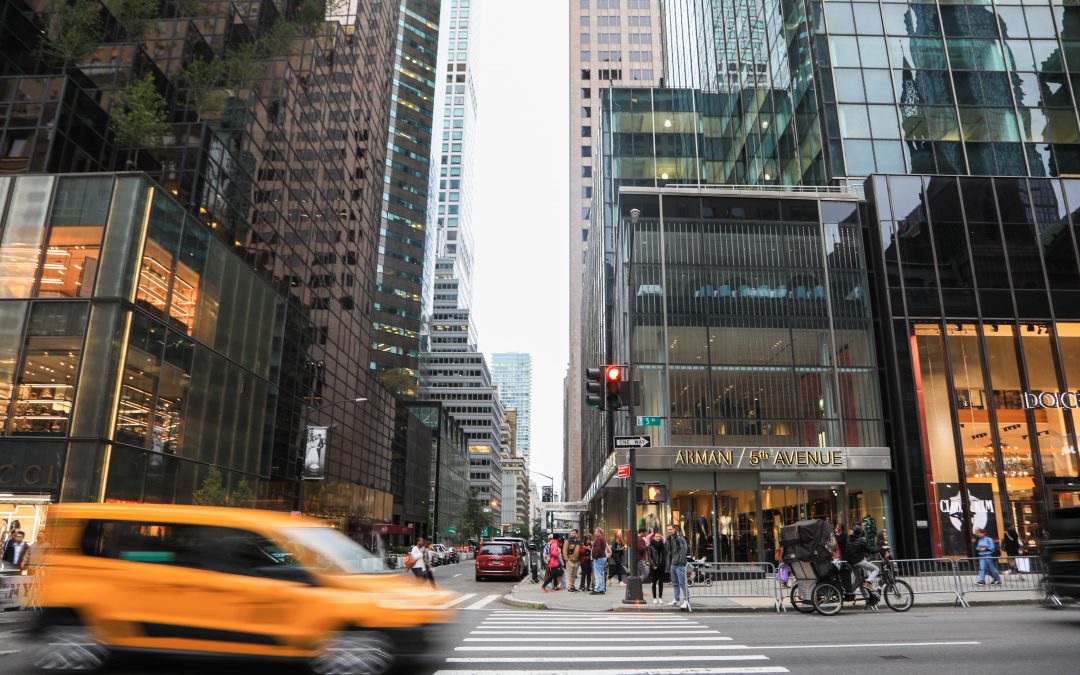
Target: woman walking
553 568
1011 543
618 551
586 564
656 559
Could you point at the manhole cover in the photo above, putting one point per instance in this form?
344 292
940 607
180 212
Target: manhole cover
895 657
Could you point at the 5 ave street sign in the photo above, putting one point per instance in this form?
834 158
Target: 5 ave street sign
648 422
633 441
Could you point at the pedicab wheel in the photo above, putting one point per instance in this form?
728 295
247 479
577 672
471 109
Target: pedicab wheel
828 599
899 596
354 653
804 605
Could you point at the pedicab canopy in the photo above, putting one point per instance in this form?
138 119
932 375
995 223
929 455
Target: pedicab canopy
808 541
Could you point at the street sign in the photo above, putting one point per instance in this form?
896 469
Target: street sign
633 441
624 471
648 422
566 507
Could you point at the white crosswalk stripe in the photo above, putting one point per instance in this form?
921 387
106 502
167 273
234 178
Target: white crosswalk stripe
513 642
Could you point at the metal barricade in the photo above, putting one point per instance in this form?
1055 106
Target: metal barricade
929 576
968 571
735 580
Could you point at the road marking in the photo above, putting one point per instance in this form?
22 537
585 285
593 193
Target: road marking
606 659
615 648
587 632
650 639
12 651
456 576
874 644
689 671
462 598
481 603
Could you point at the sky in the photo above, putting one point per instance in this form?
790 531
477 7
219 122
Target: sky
520 201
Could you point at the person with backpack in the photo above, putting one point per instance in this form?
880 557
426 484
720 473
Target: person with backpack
655 560
553 568
986 550
572 554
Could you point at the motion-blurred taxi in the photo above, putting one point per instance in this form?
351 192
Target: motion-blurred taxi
208 580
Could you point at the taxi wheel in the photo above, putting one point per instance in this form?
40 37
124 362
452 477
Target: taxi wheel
68 649
354 653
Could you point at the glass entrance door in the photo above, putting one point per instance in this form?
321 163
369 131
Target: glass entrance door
786 504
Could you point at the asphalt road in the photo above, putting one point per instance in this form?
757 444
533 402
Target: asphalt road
490 638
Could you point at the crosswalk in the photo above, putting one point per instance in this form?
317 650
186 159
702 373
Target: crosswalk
471 601
526 642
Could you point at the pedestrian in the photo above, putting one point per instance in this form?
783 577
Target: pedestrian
986 550
599 562
857 552
421 556
572 555
17 551
677 552
553 568
586 565
1011 543
656 562
618 551
840 538
642 554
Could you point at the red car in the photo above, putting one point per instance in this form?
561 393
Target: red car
499 559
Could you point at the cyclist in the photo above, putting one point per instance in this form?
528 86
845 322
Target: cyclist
856 553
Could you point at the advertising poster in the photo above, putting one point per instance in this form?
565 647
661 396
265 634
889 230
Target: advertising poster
983 510
315 454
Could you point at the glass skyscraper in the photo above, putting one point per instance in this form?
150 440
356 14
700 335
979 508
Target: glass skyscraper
512 374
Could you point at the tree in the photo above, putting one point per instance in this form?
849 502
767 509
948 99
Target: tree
142 120
474 520
136 16
202 76
401 381
536 533
243 64
211 491
242 496
74 32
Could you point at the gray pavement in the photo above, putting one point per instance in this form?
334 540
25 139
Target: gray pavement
491 637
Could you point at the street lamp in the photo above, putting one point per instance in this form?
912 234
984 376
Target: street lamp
551 514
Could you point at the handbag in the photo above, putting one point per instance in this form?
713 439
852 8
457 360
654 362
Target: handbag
410 562
783 574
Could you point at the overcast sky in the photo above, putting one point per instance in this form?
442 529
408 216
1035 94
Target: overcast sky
520 200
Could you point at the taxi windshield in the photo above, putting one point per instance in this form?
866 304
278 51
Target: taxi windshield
327 550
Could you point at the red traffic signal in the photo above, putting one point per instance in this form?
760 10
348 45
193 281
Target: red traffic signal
614 373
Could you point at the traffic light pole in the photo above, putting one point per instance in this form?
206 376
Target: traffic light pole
635 595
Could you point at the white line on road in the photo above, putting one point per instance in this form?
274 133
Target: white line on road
618 648
587 632
649 638
456 576
606 659
481 603
462 598
689 671
873 644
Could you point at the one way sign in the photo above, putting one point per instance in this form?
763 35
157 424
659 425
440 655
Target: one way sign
633 442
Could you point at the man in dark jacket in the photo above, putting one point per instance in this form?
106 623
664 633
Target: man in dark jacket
572 552
677 551
599 562
856 552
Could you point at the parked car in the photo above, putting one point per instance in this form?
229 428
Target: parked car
522 548
440 555
499 559
210 580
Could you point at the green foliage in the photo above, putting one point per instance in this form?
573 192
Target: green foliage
279 40
401 381
142 120
242 496
242 64
212 491
74 32
201 77
473 520
138 17
536 533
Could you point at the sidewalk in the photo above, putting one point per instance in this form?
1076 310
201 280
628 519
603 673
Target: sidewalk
528 595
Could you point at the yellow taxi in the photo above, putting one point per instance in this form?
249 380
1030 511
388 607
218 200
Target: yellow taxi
209 580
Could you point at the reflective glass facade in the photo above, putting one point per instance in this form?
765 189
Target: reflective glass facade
136 350
979 281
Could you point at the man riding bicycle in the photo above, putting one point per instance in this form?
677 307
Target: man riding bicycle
857 552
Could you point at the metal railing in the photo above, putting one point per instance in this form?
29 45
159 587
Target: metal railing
971 571
929 576
735 580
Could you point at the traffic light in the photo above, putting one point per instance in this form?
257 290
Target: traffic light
594 387
651 493
613 376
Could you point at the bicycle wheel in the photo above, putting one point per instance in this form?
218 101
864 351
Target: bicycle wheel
899 596
802 604
828 599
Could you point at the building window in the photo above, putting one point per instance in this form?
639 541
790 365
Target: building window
43 391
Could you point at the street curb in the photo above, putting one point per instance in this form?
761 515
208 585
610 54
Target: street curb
509 599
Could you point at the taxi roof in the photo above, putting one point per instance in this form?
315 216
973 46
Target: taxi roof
188 514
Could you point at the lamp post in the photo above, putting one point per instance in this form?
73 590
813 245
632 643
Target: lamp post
551 513
320 466
634 591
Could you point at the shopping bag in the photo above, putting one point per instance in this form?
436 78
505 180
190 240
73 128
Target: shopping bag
783 574
1023 565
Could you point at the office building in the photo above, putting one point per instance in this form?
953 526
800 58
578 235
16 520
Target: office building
266 152
512 374
403 236
612 43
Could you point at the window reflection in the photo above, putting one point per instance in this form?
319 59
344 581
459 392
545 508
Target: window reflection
44 389
141 371
12 316
156 268
20 238
74 244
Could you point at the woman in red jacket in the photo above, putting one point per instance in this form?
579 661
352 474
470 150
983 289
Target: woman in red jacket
553 569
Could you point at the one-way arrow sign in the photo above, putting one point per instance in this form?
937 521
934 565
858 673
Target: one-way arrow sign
633 442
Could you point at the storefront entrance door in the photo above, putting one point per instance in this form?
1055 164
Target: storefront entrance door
786 504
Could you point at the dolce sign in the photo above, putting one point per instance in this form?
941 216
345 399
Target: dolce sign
1050 399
